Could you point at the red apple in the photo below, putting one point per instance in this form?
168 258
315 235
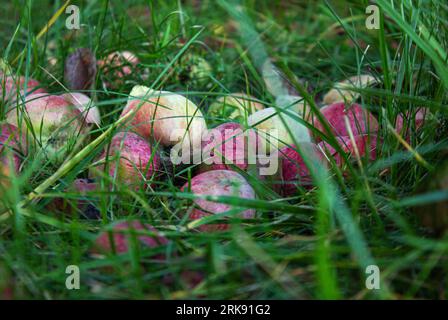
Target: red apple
119 238
164 116
85 105
366 145
218 183
9 150
405 120
13 87
130 159
361 121
55 123
229 143
294 172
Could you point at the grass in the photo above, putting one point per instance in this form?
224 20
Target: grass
313 245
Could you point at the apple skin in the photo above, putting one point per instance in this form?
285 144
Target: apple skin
406 118
237 145
293 169
268 119
13 87
366 144
296 103
85 105
218 183
136 160
55 123
10 143
361 121
121 235
164 116
341 92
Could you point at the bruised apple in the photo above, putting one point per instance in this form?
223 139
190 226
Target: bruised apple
118 65
163 116
218 183
130 159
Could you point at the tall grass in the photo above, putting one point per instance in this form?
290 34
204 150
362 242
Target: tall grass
316 244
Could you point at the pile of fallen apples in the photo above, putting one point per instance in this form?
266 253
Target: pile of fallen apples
54 125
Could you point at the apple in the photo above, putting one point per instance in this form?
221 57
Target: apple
342 92
118 239
294 171
274 133
10 143
361 121
405 120
366 145
118 65
218 183
130 159
235 106
13 87
85 105
295 103
56 125
226 143
166 117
